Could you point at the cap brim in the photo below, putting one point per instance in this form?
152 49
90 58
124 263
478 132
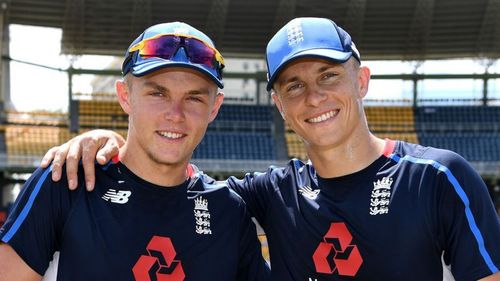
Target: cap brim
153 64
326 54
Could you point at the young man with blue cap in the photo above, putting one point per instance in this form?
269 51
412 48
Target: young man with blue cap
362 208
152 216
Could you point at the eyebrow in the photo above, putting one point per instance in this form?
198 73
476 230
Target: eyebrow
324 68
282 82
156 86
201 91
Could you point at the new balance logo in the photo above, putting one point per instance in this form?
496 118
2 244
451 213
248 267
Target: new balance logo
119 197
308 192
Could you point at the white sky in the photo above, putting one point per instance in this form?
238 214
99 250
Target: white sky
31 86
38 88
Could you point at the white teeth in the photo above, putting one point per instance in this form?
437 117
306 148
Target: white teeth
170 135
323 117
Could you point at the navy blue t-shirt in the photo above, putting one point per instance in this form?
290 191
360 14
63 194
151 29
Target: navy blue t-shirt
130 229
394 220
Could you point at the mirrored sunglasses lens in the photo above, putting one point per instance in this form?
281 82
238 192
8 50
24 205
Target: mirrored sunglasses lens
162 47
199 52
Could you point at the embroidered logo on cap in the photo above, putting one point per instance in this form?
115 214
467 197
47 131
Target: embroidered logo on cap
294 33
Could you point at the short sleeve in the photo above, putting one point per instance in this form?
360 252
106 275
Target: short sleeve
34 225
469 223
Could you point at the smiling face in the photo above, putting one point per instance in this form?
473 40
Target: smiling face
322 101
169 111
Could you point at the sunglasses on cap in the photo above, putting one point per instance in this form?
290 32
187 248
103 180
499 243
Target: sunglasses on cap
165 46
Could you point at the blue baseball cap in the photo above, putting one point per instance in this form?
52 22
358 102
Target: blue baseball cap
180 56
307 37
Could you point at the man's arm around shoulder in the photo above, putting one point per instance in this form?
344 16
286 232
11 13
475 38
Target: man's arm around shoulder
13 267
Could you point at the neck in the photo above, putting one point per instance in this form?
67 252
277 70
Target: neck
349 157
157 173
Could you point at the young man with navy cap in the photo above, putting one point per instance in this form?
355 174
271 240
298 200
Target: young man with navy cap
152 216
362 208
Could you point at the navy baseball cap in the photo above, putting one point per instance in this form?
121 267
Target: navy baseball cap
174 44
307 37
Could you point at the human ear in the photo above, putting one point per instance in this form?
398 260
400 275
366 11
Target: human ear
363 80
122 91
219 98
277 102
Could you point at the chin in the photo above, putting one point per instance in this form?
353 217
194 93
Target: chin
163 159
325 141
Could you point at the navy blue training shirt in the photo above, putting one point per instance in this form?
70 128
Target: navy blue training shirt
130 229
394 220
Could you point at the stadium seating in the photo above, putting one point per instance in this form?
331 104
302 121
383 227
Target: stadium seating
101 114
23 141
390 119
472 146
295 146
232 112
471 131
28 135
239 132
392 122
458 118
236 145
245 118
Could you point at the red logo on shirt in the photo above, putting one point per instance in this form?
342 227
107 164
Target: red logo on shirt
159 264
336 253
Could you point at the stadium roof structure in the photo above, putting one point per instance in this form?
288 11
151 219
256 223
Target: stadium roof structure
382 29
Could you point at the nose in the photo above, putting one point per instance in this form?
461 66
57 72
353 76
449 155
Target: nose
315 96
175 111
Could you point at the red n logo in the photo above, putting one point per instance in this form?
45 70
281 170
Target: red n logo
159 264
336 253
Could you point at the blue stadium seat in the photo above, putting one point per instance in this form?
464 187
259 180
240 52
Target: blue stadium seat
236 145
471 131
472 146
243 132
461 118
